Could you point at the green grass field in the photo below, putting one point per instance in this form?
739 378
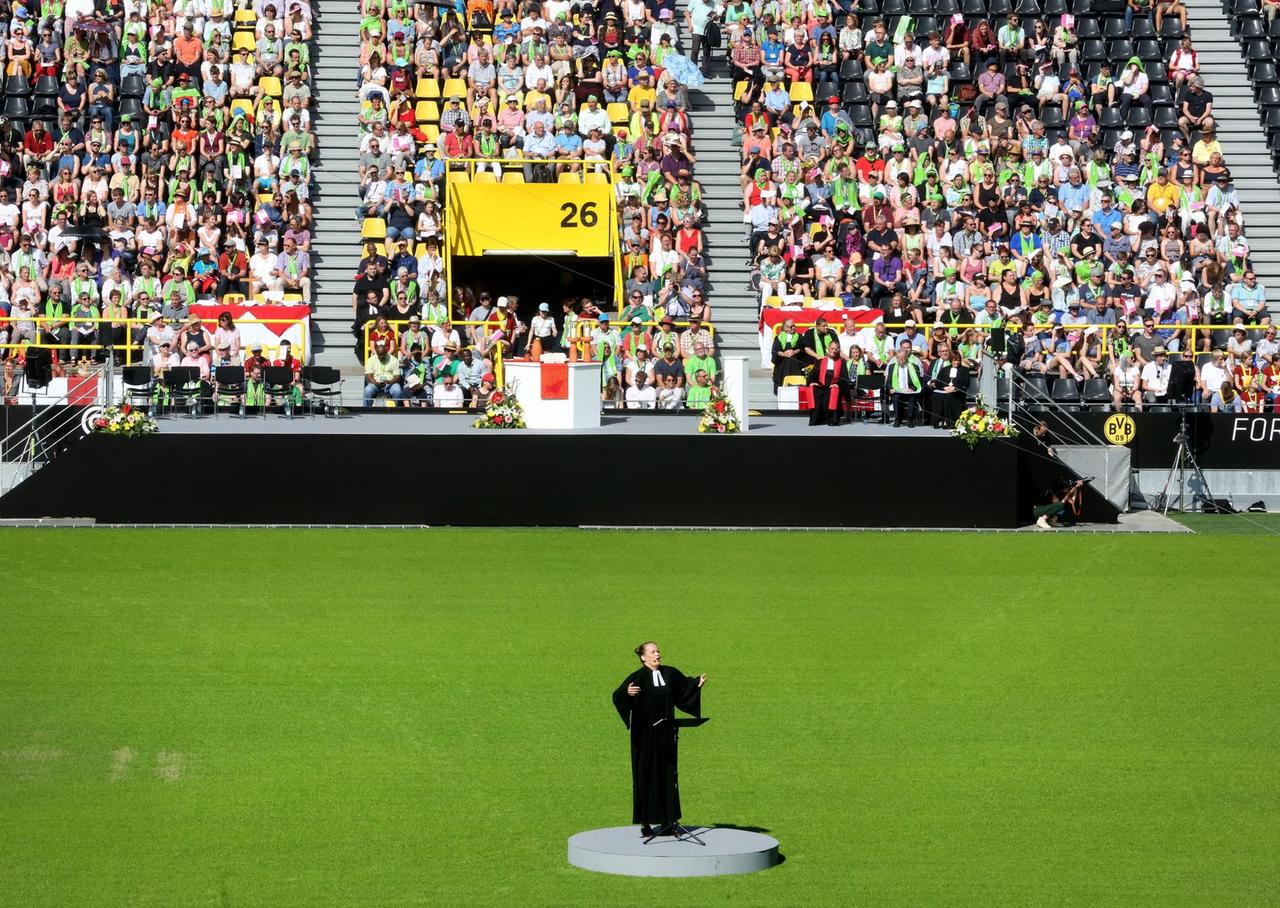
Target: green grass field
422 717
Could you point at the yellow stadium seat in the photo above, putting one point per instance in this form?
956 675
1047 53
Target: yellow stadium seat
246 18
427 88
293 298
454 87
513 176
596 178
271 86
420 249
569 178
618 113
243 104
427 112
485 176
775 301
264 197
456 176
373 229
243 40
801 91
233 299
432 132
740 89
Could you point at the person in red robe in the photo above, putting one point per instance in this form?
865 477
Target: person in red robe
831 388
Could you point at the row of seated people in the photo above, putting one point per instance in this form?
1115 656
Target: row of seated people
1072 362
561 93
153 159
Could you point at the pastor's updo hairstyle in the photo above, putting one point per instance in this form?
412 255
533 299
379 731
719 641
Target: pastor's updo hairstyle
640 649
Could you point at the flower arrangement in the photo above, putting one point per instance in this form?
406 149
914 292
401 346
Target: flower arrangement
978 423
503 410
123 420
719 417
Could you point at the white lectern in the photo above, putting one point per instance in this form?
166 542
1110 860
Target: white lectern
579 409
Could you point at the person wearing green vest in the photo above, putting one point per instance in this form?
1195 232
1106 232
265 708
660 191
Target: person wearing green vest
699 391
700 361
787 355
902 379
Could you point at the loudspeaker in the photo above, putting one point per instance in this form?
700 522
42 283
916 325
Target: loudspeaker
39 368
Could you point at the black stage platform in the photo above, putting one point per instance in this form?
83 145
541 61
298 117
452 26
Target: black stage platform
635 471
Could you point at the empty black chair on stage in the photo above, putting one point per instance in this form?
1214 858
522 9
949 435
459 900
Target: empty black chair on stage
1028 8
1269 95
1052 117
825 90
1263 72
860 114
279 382
1142 28
851 69
1056 7
1242 8
230 387
1171 27
1161 96
999 8
44 108
920 8
323 386
1271 117
1257 49
1148 49
16 108
130 107
133 87
946 8
1165 118
137 384
183 385
974 8
893 8
17 85
1093 50
1156 73
47 86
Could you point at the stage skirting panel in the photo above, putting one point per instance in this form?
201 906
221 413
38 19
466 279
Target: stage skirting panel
482 479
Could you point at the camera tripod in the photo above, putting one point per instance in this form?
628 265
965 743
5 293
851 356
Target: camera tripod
1184 458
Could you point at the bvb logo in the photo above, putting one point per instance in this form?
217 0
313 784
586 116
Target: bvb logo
1119 429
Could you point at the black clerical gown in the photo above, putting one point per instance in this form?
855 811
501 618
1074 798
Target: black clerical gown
654 786
784 366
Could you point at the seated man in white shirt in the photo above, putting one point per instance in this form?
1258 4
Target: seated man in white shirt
1155 377
641 395
1212 375
448 393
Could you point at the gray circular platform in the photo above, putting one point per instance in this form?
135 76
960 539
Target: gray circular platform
621 850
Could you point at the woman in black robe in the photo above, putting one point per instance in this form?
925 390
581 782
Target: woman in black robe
646 696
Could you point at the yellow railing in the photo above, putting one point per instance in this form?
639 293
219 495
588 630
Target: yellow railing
1195 333
129 324
606 168
585 326
399 325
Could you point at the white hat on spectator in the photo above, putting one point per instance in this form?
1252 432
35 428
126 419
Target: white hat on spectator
502 302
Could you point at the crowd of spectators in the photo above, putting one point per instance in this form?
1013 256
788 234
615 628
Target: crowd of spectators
549 92
1047 173
154 155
